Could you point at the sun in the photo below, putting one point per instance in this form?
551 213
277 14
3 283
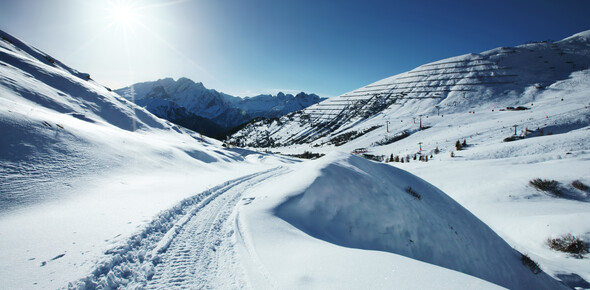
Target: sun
123 14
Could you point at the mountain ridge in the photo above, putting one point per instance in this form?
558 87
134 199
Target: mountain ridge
497 78
211 106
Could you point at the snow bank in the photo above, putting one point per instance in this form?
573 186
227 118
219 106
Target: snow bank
360 204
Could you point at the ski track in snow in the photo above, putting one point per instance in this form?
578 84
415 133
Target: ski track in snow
188 246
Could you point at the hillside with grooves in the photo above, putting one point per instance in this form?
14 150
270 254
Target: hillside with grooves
498 78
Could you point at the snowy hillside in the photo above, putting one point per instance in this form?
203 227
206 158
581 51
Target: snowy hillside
358 204
524 114
98 193
161 97
498 78
81 168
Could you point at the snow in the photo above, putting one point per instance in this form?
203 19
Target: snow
359 204
489 177
225 110
82 169
97 192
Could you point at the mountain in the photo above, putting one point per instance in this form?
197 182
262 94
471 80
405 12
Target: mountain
53 119
523 114
79 164
208 110
97 192
498 78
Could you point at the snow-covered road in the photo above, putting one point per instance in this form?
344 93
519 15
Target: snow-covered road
189 246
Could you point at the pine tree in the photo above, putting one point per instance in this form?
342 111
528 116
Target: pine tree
436 151
458 145
464 143
452 154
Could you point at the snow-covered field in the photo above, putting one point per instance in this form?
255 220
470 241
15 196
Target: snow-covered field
99 193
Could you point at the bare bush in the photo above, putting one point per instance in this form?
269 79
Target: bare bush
579 185
551 186
569 244
527 261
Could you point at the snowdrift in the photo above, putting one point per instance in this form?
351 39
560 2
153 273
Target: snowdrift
361 204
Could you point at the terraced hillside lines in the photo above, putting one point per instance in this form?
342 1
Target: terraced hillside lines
497 78
430 81
188 246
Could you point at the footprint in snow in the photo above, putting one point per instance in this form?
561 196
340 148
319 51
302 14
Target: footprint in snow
248 200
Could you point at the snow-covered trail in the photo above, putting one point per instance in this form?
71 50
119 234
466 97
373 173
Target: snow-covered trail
189 246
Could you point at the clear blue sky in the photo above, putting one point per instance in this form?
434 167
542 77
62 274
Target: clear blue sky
247 47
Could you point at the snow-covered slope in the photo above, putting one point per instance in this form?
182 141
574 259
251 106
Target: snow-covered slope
224 110
81 168
467 98
358 204
498 78
58 123
96 192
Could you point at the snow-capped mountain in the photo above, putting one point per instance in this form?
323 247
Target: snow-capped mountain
523 113
498 78
165 97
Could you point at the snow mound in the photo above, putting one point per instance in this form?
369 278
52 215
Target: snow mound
361 204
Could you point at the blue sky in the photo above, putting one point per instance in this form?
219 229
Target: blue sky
247 47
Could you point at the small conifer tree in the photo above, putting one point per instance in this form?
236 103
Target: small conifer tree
464 144
458 145
452 154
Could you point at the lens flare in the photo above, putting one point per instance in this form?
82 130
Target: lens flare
123 14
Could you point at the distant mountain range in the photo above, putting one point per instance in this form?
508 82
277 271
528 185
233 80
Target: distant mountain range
191 105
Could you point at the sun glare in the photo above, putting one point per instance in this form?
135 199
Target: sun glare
123 13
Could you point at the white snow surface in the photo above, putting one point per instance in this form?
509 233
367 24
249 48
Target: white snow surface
465 98
96 192
82 169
